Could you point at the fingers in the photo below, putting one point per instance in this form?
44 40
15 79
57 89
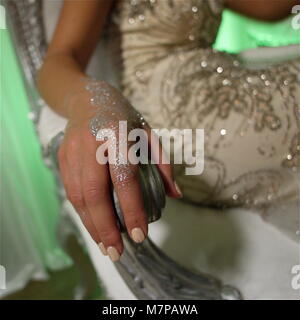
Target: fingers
164 167
95 183
70 174
128 190
88 188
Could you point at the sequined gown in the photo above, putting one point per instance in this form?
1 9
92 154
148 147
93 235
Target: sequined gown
171 74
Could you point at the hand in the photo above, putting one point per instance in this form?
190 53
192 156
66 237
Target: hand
88 183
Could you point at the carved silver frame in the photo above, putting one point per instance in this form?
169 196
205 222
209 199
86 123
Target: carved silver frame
148 272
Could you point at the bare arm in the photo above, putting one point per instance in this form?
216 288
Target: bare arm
269 10
88 182
76 35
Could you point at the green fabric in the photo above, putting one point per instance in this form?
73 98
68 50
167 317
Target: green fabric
29 205
238 33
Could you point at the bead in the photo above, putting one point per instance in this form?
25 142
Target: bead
270 196
226 82
263 76
235 196
139 74
219 69
31 115
223 132
191 37
203 64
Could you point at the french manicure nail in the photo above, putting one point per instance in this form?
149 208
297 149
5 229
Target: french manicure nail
137 235
177 188
102 248
113 254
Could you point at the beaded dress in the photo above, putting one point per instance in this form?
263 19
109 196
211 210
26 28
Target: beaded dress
250 117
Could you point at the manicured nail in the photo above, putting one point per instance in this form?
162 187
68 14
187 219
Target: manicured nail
137 235
102 248
113 254
178 189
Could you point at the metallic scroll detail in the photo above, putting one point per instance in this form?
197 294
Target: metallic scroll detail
169 281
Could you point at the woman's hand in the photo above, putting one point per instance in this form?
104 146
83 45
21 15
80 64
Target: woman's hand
88 183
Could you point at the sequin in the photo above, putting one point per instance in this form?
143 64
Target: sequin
223 132
203 64
191 37
235 196
226 82
219 69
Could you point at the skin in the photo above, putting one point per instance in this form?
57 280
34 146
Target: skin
86 182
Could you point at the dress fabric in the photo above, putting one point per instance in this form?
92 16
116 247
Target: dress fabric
29 208
251 117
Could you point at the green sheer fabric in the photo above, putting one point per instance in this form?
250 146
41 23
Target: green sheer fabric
29 206
238 33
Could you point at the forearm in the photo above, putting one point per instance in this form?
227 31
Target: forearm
59 79
75 38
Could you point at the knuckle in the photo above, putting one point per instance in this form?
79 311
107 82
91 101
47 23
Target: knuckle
61 153
124 179
87 136
134 217
72 145
110 236
76 199
93 193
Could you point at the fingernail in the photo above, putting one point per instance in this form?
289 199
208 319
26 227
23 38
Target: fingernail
178 189
102 248
137 235
113 254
